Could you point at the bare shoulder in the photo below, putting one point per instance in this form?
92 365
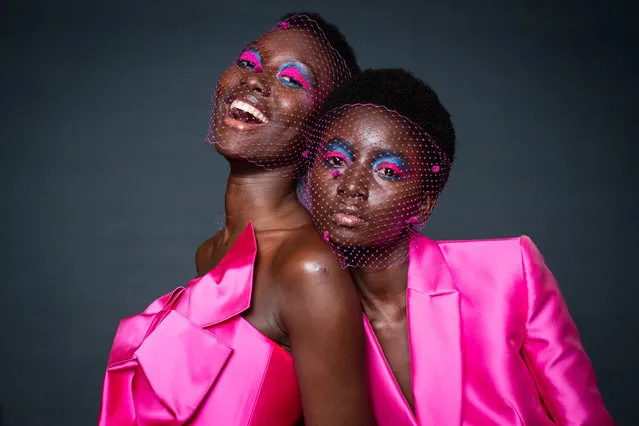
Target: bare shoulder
320 312
316 295
306 259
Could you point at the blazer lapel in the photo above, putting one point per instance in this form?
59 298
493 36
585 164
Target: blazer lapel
434 333
388 402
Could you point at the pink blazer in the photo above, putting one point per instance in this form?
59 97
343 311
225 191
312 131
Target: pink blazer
492 342
190 358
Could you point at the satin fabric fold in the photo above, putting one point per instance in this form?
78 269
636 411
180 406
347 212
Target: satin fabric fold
190 358
492 342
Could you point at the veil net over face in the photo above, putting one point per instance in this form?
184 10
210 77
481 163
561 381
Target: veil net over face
266 98
373 181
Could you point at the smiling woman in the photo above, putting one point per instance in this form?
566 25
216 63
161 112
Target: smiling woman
272 328
265 100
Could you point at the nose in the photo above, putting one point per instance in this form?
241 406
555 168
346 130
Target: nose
255 84
353 184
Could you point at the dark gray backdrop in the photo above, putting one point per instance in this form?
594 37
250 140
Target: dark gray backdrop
108 187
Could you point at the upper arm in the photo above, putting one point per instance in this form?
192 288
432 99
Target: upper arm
322 316
553 350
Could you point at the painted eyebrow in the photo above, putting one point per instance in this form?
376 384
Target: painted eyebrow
302 69
340 145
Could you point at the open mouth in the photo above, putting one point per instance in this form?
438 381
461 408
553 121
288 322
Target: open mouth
241 114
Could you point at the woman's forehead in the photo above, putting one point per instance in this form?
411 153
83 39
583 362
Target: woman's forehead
369 126
299 43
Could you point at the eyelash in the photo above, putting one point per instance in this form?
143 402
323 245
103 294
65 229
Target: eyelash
396 171
385 169
250 61
246 60
335 156
296 82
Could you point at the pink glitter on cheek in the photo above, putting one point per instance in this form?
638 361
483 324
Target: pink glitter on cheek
326 236
335 173
435 168
305 154
284 25
412 220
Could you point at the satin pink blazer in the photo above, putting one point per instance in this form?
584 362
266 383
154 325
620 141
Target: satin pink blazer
190 358
492 342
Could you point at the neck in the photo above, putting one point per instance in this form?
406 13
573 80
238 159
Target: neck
267 198
383 291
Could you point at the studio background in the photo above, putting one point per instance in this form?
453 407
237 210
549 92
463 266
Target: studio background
108 187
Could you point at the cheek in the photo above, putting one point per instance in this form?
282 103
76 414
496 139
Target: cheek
295 105
396 205
321 185
383 208
228 81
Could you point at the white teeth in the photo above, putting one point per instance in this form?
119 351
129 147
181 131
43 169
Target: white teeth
241 105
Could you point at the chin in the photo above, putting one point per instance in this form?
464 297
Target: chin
346 237
226 150
230 144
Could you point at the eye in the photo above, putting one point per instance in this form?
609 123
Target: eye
335 159
337 154
294 76
290 81
389 170
249 59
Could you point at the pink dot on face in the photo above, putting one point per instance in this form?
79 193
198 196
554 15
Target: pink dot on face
435 168
413 219
285 25
335 173
305 154
326 236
